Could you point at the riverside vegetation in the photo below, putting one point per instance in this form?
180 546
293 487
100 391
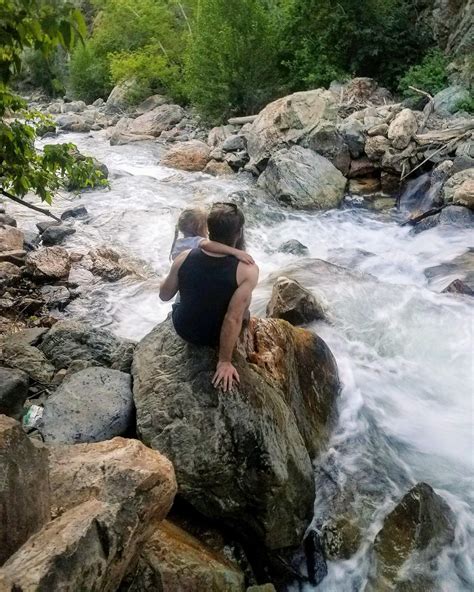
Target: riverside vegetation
139 475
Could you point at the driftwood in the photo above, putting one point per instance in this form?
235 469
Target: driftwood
413 221
444 135
429 107
242 120
27 205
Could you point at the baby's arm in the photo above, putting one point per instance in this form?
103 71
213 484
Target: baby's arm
220 249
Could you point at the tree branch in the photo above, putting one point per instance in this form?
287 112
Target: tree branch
27 205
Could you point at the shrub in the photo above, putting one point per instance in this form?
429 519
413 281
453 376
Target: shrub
430 75
466 105
89 76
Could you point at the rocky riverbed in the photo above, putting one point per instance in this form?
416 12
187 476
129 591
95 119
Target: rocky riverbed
342 461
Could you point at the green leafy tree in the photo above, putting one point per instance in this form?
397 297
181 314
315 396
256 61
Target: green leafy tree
42 25
232 62
430 75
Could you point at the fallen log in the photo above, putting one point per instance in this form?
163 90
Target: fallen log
413 221
242 120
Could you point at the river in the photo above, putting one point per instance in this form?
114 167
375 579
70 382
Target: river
404 350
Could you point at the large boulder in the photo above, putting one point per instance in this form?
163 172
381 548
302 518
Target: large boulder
13 391
153 122
242 457
284 121
27 358
447 100
109 497
118 99
91 405
402 129
69 341
73 122
50 263
330 143
293 302
24 487
192 155
173 560
11 238
421 523
459 188
302 179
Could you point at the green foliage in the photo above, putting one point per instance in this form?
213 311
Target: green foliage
140 39
45 72
232 58
323 40
430 75
466 105
42 25
89 74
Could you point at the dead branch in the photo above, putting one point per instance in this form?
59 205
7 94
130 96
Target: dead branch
28 205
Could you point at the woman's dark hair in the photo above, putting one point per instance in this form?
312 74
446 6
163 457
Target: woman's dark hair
225 224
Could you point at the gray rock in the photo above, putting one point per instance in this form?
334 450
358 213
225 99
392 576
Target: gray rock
49 263
300 178
292 302
5 219
459 188
294 247
72 122
98 102
153 122
234 143
42 226
457 216
55 296
91 405
13 391
236 160
421 523
250 470
24 488
326 140
27 358
458 287
56 234
118 100
217 135
75 212
353 133
446 101
31 240
71 340
73 107
150 103
402 129
10 274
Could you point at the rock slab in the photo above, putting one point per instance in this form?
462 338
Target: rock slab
293 302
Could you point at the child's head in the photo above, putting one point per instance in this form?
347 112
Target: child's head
192 222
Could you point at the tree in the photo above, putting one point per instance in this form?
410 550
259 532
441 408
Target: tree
42 25
232 63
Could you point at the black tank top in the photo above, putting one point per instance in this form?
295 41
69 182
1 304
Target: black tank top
206 285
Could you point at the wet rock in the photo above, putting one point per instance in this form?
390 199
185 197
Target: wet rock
364 186
362 167
234 143
402 129
353 133
13 391
421 523
262 588
389 182
31 240
50 263
264 489
68 341
237 160
376 146
458 287
153 122
6 220
29 359
75 212
173 560
329 142
459 188
292 302
218 169
11 239
107 264
121 489
91 405
56 234
457 216
284 121
300 178
341 537
294 247
188 156
24 487
73 122
43 226
447 100
55 296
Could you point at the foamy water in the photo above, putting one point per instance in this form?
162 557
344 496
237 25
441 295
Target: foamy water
404 350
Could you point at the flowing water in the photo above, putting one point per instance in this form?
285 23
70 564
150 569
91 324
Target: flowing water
404 350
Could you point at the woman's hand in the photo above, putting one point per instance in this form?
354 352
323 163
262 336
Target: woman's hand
225 375
245 257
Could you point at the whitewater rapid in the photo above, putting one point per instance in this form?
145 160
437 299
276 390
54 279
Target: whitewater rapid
404 350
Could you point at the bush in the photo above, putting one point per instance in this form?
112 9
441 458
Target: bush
430 75
46 72
466 105
89 76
